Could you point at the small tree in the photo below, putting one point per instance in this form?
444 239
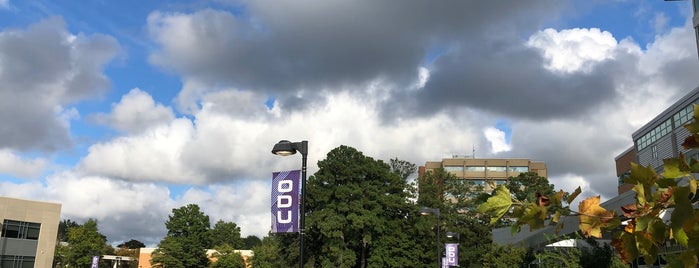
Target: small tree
84 242
226 257
132 244
226 233
186 241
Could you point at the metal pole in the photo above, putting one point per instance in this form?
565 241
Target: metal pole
302 223
439 244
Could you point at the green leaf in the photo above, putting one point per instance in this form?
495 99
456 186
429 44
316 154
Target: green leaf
498 204
683 208
641 174
675 168
680 236
693 186
645 245
640 194
574 195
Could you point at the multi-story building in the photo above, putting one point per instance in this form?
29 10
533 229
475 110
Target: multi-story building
660 138
481 170
29 231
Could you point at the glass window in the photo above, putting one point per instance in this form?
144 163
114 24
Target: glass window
519 169
496 168
475 168
20 229
454 168
500 182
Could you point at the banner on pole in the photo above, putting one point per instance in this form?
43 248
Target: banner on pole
452 252
95 261
285 201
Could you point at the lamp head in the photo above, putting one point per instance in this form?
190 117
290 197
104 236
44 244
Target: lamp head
284 148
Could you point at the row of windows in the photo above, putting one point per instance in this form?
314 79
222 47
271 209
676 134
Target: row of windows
489 168
482 182
679 119
16 261
21 230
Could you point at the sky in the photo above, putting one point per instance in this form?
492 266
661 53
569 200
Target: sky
124 110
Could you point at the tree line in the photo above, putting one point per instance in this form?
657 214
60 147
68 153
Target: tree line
362 212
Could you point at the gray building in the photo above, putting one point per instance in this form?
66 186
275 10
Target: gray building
28 233
663 136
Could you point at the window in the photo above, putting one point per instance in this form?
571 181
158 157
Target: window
21 230
496 168
16 261
655 152
480 182
475 168
660 131
454 168
683 116
500 182
518 169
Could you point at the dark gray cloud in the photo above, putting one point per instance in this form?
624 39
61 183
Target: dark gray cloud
510 79
42 69
280 48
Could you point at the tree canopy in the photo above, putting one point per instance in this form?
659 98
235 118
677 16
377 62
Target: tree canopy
358 207
186 241
84 242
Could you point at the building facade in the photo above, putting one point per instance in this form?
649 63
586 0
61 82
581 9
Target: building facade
481 170
663 136
28 234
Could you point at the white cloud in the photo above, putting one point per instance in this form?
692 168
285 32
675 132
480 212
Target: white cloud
136 112
573 50
497 140
17 166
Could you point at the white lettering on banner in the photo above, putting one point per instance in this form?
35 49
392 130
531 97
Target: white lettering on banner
285 186
284 201
288 217
451 254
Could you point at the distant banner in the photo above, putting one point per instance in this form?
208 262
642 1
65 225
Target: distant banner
452 252
285 201
95 261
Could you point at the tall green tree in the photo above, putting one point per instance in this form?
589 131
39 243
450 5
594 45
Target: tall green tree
457 200
63 227
186 240
85 241
527 184
132 244
267 253
355 206
250 241
226 233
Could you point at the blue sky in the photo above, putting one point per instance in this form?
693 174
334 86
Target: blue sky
139 107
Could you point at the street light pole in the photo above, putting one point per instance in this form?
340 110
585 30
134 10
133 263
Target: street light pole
286 148
429 211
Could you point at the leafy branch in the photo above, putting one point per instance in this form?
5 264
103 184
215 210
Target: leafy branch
674 192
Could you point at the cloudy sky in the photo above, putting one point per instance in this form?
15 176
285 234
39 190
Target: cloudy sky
124 110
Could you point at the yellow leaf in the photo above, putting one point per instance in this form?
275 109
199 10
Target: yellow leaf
593 217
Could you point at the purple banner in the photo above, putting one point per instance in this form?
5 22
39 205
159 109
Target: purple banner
452 252
285 201
95 261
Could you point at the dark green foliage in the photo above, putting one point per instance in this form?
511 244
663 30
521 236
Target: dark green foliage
358 209
527 184
504 256
226 233
227 258
268 253
186 241
132 244
251 241
596 256
558 257
63 227
84 242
